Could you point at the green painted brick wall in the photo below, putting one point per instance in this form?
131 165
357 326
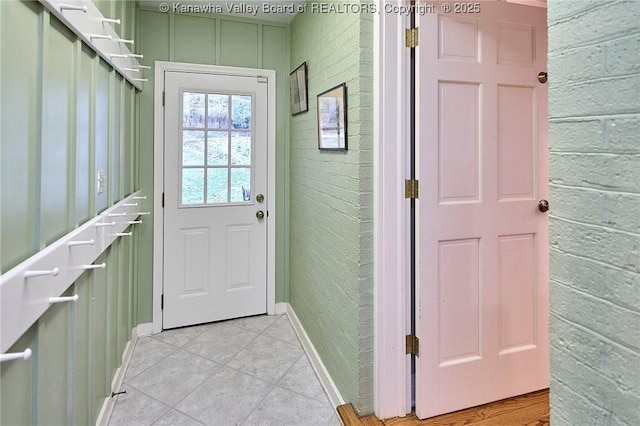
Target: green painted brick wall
594 140
214 40
63 114
331 219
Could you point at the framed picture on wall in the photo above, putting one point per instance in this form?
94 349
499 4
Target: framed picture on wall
298 90
332 118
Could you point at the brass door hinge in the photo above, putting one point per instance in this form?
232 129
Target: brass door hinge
411 37
411 189
413 345
163 98
161 301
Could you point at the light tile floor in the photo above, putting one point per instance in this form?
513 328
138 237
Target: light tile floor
248 371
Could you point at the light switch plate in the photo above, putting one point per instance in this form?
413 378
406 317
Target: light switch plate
102 181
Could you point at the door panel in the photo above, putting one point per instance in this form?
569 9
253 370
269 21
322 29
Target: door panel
482 248
215 163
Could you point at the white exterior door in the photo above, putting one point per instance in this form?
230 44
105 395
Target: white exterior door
215 230
482 240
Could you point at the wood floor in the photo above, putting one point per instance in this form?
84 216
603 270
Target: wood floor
531 410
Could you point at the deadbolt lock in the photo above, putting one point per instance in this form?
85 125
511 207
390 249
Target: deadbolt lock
260 214
259 198
543 77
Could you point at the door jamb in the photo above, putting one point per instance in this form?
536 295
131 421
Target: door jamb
160 67
392 273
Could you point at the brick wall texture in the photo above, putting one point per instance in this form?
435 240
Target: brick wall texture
331 214
594 140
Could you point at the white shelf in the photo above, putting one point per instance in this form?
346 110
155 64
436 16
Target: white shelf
84 24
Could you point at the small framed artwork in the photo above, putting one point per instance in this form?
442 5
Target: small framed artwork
298 90
332 118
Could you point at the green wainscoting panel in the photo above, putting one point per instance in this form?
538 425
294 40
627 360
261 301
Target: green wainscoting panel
194 40
81 342
121 321
19 134
112 308
65 114
101 128
239 44
127 166
16 378
275 55
53 364
154 42
116 139
100 379
83 173
57 113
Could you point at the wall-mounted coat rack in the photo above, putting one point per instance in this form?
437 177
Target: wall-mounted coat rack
87 22
30 288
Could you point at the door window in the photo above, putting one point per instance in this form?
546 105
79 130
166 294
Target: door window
217 140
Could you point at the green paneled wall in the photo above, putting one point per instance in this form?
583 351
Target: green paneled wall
64 114
331 203
215 40
19 130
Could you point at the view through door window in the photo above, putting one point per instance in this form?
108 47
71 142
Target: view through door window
217 139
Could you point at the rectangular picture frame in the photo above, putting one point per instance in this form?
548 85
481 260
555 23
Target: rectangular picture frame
299 100
332 119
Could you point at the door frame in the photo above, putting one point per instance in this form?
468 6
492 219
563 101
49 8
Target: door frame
160 67
392 225
392 268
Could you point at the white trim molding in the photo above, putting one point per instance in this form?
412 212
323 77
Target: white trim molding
118 378
158 174
392 381
321 371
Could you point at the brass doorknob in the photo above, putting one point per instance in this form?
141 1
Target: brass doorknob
543 77
543 205
260 214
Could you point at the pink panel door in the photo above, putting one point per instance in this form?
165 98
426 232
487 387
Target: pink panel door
482 242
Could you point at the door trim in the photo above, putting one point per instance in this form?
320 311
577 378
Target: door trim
160 67
391 238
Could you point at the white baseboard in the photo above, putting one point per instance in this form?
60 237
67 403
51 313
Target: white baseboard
321 371
110 402
145 329
281 308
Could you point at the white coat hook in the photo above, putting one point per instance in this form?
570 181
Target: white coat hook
17 355
117 55
99 36
141 197
142 213
73 298
117 214
144 67
132 69
125 41
135 55
51 272
101 266
140 79
73 7
81 243
130 204
105 224
111 21
134 222
123 234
